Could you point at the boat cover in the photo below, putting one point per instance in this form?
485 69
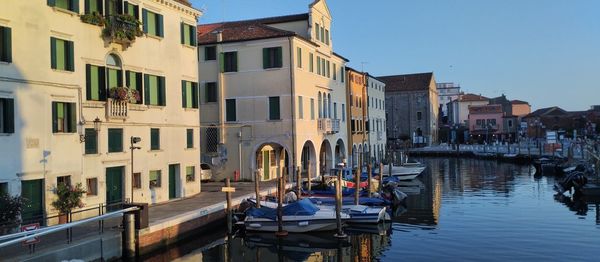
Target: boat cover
367 201
303 207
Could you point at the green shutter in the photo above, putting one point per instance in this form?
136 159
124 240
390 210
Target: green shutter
195 96
311 63
154 139
53 52
128 80
182 30
51 2
75 6
159 30
54 117
115 140
222 62
145 20
88 81
193 36
279 57
102 83
70 56
146 89
72 117
266 61
161 91
190 138
91 141
153 90
235 62
230 110
9 116
274 113
183 94
6 52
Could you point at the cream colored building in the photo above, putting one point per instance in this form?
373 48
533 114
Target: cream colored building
272 95
66 127
376 119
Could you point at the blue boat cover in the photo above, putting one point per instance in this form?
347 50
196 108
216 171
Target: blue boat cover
367 201
303 207
331 191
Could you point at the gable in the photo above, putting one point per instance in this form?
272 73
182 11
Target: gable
321 7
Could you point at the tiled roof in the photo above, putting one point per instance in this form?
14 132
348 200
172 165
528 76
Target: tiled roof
547 110
238 32
409 82
472 97
514 102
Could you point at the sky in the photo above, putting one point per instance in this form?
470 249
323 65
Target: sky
546 52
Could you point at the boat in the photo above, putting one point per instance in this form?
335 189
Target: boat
298 217
403 172
484 154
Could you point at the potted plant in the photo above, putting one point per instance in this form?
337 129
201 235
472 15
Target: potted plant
68 198
124 94
94 18
10 212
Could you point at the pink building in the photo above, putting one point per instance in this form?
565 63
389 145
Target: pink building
486 122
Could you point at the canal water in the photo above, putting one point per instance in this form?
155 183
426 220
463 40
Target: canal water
457 210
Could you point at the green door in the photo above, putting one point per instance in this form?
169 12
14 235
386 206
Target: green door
32 190
114 187
266 165
173 181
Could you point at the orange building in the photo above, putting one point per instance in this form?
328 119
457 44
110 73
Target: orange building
357 112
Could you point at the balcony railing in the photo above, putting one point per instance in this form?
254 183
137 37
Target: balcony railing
116 109
329 126
379 135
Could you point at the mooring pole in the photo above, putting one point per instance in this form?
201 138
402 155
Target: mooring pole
357 184
229 215
369 175
299 182
380 177
280 189
309 179
256 187
129 235
338 205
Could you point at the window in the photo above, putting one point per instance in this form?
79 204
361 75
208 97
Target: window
113 7
133 80
273 160
210 91
4 188
317 33
210 53
155 178
479 122
419 116
312 109
212 139
272 57
343 113
342 74
190 138
229 62
190 173
188 34
65 180
318 65
189 94
152 23
230 110
299 58
5 44
311 67
154 139
300 108
93 6
137 180
91 141
115 140
154 91
63 117
322 34
274 113
323 67
353 126
61 54
92 186
510 124
326 37
335 111
132 10
334 72
71 5
328 70
95 87
7 116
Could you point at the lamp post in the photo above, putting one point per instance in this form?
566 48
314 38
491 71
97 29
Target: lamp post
133 140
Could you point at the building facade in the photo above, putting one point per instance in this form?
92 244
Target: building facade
447 92
358 136
273 95
412 108
82 79
486 122
376 119
458 109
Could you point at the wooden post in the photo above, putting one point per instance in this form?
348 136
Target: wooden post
309 179
256 189
299 182
338 205
357 185
380 177
369 175
280 189
229 215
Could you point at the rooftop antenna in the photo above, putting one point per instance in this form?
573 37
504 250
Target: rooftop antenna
362 66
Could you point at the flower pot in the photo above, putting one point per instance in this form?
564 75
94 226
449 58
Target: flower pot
62 219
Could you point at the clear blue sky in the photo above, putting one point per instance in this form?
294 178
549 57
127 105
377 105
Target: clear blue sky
546 52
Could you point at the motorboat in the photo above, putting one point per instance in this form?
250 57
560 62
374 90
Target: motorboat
403 172
298 217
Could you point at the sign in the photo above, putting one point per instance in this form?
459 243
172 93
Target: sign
551 137
228 189
30 227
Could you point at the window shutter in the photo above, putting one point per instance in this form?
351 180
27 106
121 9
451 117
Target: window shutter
86 7
235 62
195 96
51 2
102 83
183 94
6 43
75 6
222 62
190 138
53 52
138 84
91 140
161 91
120 77
194 36
274 108
159 20
88 82
266 58
145 20
278 57
72 118
9 115
54 117
70 56
146 89
127 79
182 30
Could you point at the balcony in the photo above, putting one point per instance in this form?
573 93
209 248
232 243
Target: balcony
329 126
116 109
379 135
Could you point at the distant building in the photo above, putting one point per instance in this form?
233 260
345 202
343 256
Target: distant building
458 109
446 92
412 108
486 122
376 118
568 123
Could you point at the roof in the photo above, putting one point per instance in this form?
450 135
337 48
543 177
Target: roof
517 102
472 97
268 20
238 32
547 111
409 82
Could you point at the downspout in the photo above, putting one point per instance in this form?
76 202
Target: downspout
221 83
292 98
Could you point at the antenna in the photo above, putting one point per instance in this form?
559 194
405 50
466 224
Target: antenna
362 66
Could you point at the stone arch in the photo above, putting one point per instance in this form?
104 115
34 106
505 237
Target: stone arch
308 158
270 159
326 160
339 152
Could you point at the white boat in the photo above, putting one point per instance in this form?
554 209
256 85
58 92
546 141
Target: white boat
298 217
404 172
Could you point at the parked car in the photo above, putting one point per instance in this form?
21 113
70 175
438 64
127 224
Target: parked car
205 171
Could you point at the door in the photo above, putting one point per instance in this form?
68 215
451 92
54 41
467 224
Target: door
33 211
266 165
114 187
173 180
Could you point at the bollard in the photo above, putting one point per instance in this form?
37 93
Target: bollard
310 180
338 206
229 214
369 178
129 244
299 182
280 188
256 189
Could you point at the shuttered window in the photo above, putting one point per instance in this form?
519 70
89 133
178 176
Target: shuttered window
311 62
113 7
190 138
274 108
7 116
328 69
326 37
152 23
5 44
189 94
115 140
93 6
95 83
91 141
114 78
299 56
154 139
317 31
131 9
300 108
61 54
71 5
210 53
312 109
318 65
342 74
272 57
229 62
154 90
188 34
210 92
133 80
334 72
63 117
230 110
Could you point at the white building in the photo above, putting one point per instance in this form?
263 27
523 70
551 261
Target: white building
62 123
458 109
376 118
272 95
447 92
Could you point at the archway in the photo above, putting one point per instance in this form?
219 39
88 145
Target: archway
340 152
354 156
308 159
271 159
326 162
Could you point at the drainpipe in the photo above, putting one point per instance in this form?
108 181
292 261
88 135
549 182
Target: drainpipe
293 100
221 84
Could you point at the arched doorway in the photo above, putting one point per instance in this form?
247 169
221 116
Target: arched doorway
325 158
271 159
340 153
308 159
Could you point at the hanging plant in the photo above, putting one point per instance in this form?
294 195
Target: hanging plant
122 28
124 94
94 18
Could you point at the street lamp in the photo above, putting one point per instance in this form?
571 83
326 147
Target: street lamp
134 140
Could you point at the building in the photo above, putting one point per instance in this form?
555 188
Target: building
77 83
412 108
458 109
376 118
486 122
273 95
357 114
446 92
568 123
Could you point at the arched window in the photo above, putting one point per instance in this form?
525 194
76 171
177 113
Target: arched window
325 113
320 106
114 73
329 105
